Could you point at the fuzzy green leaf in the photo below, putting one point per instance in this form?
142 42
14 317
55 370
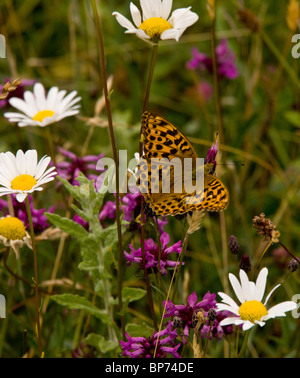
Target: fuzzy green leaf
76 302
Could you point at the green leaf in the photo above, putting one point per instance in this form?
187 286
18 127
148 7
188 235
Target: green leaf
72 228
131 294
76 302
141 329
293 117
99 342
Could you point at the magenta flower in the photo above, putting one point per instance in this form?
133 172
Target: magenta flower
152 254
143 347
225 61
211 155
39 220
185 314
205 90
69 170
131 208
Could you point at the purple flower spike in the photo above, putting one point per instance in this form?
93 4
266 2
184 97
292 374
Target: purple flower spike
225 61
69 170
212 153
185 314
152 254
143 347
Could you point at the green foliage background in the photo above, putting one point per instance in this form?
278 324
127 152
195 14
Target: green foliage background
55 42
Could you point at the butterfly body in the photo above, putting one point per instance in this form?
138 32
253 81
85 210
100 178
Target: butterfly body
166 151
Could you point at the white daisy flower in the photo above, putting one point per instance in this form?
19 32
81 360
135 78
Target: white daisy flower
13 233
154 23
251 311
22 174
41 110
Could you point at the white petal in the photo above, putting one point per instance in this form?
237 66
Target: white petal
66 102
4 181
147 9
225 307
236 287
41 167
231 320
39 94
21 197
166 8
21 162
31 161
260 285
245 285
141 34
247 325
281 308
252 290
259 322
227 300
183 18
156 8
65 115
271 292
45 180
123 21
31 102
135 14
8 166
49 173
22 105
51 98
171 34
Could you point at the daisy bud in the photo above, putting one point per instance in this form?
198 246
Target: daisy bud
233 245
245 264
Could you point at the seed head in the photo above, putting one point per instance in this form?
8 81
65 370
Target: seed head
233 245
264 227
245 263
293 265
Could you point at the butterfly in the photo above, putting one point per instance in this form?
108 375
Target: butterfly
164 141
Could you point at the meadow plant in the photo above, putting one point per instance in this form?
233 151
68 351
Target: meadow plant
90 272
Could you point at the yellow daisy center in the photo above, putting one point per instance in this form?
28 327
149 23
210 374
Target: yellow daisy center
41 115
155 26
12 228
252 311
23 182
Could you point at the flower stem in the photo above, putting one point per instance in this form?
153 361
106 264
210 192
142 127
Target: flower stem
208 336
150 77
244 346
51 144
145 106
284 247
283 61
177 270
115 155
36 278
10 271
